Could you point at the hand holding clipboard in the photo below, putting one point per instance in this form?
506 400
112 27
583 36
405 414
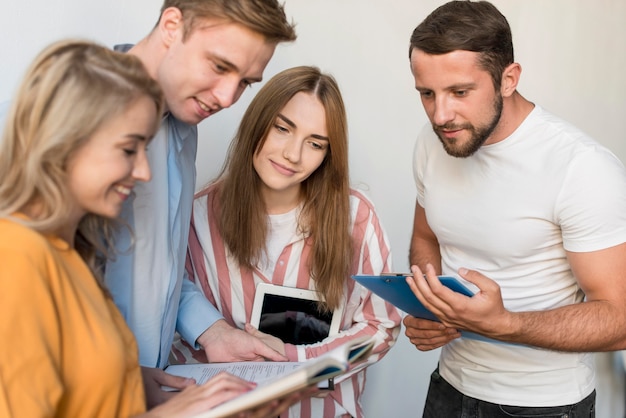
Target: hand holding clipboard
393 288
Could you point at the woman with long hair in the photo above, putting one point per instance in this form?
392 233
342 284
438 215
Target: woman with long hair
282 212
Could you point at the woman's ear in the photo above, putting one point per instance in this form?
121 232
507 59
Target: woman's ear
170 25
510 79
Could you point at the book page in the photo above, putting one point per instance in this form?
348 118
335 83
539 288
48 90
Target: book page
329 365
251 371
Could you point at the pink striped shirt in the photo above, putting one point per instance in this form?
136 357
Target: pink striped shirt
231 290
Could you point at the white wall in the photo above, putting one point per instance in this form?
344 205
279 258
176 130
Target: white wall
573 54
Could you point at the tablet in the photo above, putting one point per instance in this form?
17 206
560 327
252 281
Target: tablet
292 314
393 288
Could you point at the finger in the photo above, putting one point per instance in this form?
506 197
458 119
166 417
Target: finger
262 349
422 324
269 353
430 334
177 382
419 287
252 330
481 281
427 347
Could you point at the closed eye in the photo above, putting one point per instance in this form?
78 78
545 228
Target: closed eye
426 94
281 128
319 145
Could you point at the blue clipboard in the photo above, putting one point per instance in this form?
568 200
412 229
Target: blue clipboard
393 288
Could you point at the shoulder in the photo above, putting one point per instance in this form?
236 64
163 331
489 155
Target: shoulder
552 130
21 245
361 205
203 197
17 235
359 197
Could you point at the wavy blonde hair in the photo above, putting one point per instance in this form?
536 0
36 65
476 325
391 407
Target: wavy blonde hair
325 215
70 90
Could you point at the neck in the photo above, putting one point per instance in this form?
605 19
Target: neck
150 52
515 109
277 203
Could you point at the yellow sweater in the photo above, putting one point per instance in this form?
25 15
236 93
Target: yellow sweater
65 350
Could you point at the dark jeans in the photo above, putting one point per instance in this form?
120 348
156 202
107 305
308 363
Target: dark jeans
444 401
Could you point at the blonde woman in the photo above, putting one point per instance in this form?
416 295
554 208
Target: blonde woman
282 212
73 148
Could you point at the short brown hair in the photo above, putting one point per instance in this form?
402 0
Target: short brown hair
468 26
266 17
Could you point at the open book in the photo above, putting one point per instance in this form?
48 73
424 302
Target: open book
275 379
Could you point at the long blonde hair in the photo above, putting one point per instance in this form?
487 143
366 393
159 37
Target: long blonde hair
69 91
325 216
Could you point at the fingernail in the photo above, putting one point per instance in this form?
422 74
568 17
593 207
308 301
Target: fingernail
463 271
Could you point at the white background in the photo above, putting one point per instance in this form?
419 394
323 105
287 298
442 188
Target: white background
573 55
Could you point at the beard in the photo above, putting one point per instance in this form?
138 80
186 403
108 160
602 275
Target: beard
478 134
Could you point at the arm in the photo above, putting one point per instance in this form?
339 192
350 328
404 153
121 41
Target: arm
424 244
424 334
577 327
195 313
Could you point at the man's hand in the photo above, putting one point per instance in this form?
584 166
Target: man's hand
427 335
154 378
269 340
483 313
223 343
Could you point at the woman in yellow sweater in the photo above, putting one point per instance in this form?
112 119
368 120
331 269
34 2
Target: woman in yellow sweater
73 147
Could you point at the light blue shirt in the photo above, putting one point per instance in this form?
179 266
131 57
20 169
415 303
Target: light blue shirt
148 280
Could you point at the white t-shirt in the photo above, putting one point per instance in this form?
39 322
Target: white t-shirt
511 211
282 229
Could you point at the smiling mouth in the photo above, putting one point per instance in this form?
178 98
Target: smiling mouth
282 169
123 190
204 106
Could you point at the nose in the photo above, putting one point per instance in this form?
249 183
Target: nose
228 91
141 168
442 112
293 150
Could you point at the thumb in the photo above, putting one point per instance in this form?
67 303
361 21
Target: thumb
252 330
482 282
177 382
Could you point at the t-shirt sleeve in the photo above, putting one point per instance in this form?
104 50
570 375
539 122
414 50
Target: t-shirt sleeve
591 207
420 157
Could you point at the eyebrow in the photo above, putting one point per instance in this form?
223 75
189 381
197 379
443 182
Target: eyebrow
460 86
293 125
139 137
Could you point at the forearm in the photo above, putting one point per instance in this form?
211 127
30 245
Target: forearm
582 327
423 252
195 313
424 244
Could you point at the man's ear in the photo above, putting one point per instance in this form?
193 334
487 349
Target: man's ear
170 25
510 79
